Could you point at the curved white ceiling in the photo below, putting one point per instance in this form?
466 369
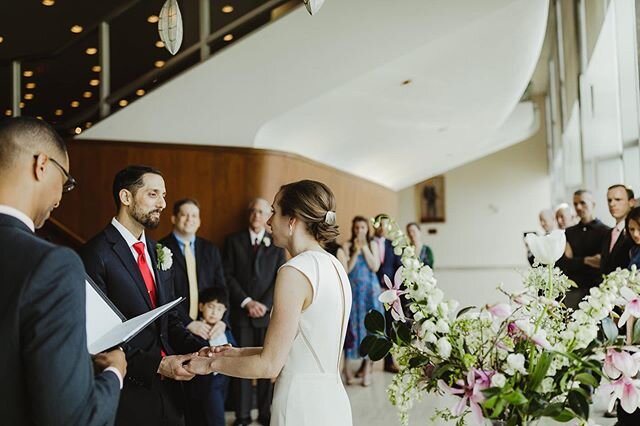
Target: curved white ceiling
329 87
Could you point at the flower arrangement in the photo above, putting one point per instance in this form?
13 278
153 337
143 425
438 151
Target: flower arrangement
515 361
165 257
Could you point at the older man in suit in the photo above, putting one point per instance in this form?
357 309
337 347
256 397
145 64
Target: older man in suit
48 377
198 267
135 275
616 246
251 262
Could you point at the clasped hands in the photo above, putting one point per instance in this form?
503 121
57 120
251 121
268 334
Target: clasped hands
206 331
256 309
185 367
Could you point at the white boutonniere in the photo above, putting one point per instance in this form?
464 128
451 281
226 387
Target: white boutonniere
266 241
165 257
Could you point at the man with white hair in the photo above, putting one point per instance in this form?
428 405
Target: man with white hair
565 216
547 220
250 263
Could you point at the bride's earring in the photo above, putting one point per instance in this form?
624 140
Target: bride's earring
290 230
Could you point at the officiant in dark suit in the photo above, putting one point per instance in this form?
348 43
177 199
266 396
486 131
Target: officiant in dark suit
48 377
251 262
135 275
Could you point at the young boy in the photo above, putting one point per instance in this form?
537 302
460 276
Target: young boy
207 394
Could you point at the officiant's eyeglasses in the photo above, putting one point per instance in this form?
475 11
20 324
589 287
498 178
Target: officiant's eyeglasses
70 182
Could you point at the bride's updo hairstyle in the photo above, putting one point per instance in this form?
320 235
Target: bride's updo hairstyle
313 203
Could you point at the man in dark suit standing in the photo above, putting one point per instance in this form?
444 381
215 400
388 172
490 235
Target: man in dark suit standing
198 266
389 264
616 246
48 377
135 275
251 262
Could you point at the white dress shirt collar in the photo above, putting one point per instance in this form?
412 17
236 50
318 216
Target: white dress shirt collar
126 234
13 212
259 235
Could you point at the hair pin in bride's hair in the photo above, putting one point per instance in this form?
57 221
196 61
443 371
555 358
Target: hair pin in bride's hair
330 218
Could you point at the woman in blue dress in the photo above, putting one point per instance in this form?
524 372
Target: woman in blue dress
363 262
633 231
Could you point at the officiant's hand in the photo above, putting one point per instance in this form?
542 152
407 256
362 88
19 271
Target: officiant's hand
256 309
172 367
199 365
114 358
200 329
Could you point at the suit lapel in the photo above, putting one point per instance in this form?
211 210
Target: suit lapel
178 256
123 251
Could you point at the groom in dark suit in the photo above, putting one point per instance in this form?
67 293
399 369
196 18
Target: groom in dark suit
136 276
48 377
251 262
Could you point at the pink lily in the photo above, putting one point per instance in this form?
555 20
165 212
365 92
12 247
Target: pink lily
470 392
627 390
391 297
633 305
499 310
617 363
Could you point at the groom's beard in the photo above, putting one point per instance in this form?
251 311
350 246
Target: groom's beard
149 220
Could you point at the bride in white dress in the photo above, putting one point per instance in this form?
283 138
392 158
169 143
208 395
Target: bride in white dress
312 300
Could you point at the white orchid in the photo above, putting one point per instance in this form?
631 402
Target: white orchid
547 249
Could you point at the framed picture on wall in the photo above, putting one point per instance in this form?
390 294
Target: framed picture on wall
430 194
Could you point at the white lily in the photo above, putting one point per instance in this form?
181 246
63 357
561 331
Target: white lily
547 249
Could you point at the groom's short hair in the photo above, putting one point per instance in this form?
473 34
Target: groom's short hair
131 179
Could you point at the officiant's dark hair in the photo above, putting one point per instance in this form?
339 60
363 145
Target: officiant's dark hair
309 201
130 178
18 133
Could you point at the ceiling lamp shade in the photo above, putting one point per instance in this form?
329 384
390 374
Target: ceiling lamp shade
170 26
313 6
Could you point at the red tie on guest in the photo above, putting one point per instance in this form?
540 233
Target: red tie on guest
615 233
146 272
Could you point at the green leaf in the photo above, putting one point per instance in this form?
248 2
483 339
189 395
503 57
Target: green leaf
418 361
464 311
491 402
636 332
587 379
374 322
367 344
498 408
515 397
610 330
403 333
564 416
578 403
380 348
540 371
553 410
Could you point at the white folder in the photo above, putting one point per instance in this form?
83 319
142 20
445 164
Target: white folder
107 328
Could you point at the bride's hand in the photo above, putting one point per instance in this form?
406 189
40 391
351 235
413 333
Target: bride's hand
210 351
199 365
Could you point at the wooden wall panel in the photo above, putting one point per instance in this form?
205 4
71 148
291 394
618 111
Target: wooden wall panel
222 179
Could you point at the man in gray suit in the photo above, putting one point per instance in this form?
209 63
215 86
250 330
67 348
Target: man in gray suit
48 377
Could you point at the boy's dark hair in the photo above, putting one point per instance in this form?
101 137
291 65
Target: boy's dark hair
214 293
130 178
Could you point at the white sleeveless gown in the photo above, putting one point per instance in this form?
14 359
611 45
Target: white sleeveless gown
309 390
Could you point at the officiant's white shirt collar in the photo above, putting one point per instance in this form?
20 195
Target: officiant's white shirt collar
259 235
13 212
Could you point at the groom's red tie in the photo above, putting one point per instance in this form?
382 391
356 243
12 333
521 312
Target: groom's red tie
146 272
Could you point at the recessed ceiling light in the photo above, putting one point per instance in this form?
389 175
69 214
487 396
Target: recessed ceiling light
78 130
160 43
153 19
30 85
76 29
39 117
87 95
407 81
28 96
91 51
96 68
88 124
95 82
21 105
58 112
227 8
1 39
228 37
123 103
75 104
27 74
48 2
8 112
158 64
140 92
